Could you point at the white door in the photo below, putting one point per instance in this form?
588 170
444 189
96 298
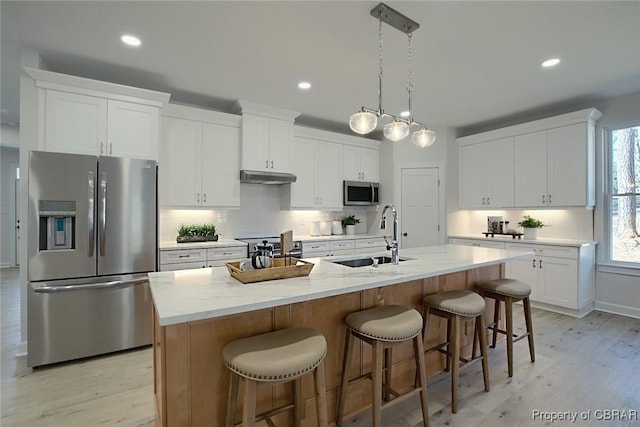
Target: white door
16 213
420 210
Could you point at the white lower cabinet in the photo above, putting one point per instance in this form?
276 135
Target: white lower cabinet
370 245
182 259
562 278
315 248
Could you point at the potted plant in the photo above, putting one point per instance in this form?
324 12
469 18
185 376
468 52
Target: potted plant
530 226
197 233
349 224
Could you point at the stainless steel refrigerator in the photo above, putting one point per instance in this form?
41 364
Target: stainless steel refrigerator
91 240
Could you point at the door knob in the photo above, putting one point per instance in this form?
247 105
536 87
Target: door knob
405 234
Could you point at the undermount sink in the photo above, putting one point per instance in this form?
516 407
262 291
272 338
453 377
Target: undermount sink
363 262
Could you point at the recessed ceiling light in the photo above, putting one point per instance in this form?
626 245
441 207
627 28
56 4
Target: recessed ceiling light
304 85
130 40
405 114
551 62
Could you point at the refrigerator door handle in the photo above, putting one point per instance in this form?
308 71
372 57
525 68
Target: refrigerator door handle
91 213
103 285
103 212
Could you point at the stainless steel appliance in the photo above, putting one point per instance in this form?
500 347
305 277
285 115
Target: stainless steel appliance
274 242
360 193
91 240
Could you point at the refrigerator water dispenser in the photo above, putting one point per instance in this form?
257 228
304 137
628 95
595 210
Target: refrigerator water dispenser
57 224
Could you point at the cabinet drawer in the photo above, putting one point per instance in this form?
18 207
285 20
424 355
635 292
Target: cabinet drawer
182 255
568 252
235 252
478 243
373 243
310 247
342 252
182 266
340 245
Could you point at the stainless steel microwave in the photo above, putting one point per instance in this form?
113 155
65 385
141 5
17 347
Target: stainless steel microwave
360 193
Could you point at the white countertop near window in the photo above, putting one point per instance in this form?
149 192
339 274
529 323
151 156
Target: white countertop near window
221 243
538 241
204 293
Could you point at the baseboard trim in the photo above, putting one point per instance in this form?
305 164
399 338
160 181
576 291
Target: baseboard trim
22 349
562 310
6 265
622 310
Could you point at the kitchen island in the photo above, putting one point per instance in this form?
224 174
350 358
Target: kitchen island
197 312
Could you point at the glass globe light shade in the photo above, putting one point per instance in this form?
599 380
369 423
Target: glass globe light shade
395 131
423 138
363 122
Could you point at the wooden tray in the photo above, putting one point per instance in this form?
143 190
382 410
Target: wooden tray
278 270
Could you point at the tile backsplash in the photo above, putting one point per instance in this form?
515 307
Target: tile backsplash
260 214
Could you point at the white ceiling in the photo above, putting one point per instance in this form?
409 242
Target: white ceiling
473 63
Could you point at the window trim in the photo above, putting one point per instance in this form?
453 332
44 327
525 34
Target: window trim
609 264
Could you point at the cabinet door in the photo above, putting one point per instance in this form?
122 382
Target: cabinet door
558 281
369 164
220 159
280 135
255 134
500 173
132 130
351 163
567 165
75 123
328 176
525 270
530 172
303 194
473 166
179 167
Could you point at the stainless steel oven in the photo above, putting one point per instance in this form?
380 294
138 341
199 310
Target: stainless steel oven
360 193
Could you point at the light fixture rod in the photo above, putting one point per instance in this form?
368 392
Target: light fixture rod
394 18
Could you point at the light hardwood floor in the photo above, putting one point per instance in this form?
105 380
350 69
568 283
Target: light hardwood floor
581 365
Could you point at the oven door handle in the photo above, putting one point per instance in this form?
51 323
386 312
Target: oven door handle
103 285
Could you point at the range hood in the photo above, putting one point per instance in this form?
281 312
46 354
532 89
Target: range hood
259 177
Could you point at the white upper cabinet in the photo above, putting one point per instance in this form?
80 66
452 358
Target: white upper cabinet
267 135
84 116
487 174
546 163
199 160
317 168
360 164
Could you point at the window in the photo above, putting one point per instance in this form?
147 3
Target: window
624 195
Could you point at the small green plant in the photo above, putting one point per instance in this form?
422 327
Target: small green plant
529 222
197 230
350 220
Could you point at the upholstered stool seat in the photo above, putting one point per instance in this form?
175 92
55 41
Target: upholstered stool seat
274 357
383 327
454 306
509 291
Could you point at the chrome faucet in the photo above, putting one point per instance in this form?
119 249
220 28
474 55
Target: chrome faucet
393 246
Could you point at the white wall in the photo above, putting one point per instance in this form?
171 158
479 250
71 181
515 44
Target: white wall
9 140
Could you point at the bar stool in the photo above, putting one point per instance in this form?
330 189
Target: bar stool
509 291
382 328
453 306
271 358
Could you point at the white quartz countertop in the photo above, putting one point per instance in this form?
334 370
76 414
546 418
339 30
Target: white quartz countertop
538 241
221 243
204 293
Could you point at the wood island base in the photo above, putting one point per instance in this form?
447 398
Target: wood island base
191 382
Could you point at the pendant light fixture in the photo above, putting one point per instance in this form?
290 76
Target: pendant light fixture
366 120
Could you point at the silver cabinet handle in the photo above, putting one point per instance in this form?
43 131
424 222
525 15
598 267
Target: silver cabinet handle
534 263
204 197
112 284
543 197
91 213
266 164
198 197
103 213
184 256
549 198
488 200
540 263
483 200
271 164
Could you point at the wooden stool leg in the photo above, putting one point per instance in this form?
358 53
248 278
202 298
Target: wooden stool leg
232 400
526 304
377 383
321 395
447 367
297 402
345 377
454 357
249 404
508 308
482 338
388 362
496 320
418 351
